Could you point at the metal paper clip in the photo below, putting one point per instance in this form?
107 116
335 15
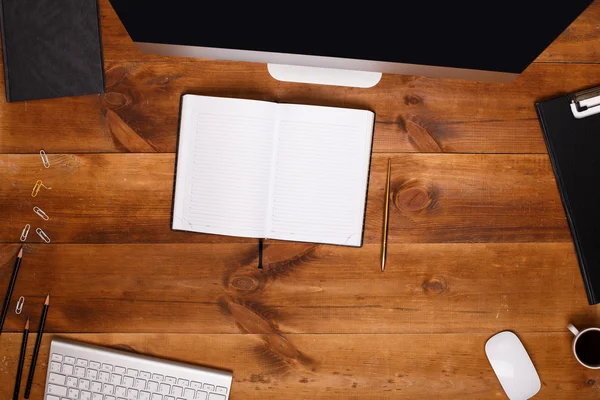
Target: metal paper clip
41 213
25 232
45 159
36 188
43 235
20 303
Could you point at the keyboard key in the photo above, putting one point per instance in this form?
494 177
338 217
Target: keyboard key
196 385
97 396
56 378
128 381
184 382
208 387
201 395
145 375
169 398
153 386
73 394
108 389
132 372
104 376
56 390
67 369
85 395
82 363
50 397
94 365
188 394
110 398
170 380
132 394
214 396
121 391
157 396
221 390
71 381
80 372
107 367
177 391
115 379
84 384
157 377
57 357
69 360
119 370
140 384
165 389
96 387
144 396
92 374
55 366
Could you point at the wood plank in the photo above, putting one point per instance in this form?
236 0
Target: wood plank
217 288
579 42
343 366
119 198
140 111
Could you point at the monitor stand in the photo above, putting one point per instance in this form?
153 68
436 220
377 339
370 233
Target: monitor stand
324 76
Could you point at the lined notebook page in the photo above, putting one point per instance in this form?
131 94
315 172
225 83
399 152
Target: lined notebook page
320 174
224 166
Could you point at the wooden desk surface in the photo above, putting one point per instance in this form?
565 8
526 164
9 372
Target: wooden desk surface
478 237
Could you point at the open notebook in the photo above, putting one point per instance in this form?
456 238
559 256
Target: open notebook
268 170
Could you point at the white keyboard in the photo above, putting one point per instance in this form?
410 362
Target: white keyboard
83 372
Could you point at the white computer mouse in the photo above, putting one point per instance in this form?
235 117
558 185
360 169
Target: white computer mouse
512 366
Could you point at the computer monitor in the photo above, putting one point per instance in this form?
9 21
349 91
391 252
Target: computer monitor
476 40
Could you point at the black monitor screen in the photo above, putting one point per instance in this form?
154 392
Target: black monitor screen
504 36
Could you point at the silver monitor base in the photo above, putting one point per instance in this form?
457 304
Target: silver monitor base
324 76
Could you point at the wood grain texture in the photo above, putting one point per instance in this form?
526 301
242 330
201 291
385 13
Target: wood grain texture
304 288
345 366
478 240
127 198
140 111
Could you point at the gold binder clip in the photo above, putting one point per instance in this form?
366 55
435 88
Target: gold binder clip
41 213
25 232
43 235
45 160
36 188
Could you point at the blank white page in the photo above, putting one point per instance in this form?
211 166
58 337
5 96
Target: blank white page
320 174
224 166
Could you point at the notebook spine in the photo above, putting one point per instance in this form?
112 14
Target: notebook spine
4 53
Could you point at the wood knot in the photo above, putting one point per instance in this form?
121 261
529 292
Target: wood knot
412 197
115 99
280 345
412 100
436 285
244 283
591 382
115 75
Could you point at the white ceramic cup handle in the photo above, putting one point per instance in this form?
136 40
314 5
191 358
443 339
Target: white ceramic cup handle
573 330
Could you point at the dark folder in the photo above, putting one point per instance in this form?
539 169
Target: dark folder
571 126
51 48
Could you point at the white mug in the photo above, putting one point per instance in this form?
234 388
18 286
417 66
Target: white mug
582 353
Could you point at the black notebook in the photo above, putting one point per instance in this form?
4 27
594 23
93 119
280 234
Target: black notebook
51 48
574 148
268 170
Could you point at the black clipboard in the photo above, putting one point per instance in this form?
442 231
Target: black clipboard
571 126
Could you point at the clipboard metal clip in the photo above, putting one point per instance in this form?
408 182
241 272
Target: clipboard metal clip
585 103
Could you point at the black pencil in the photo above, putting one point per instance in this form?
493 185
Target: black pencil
36 349
11 286
21 360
